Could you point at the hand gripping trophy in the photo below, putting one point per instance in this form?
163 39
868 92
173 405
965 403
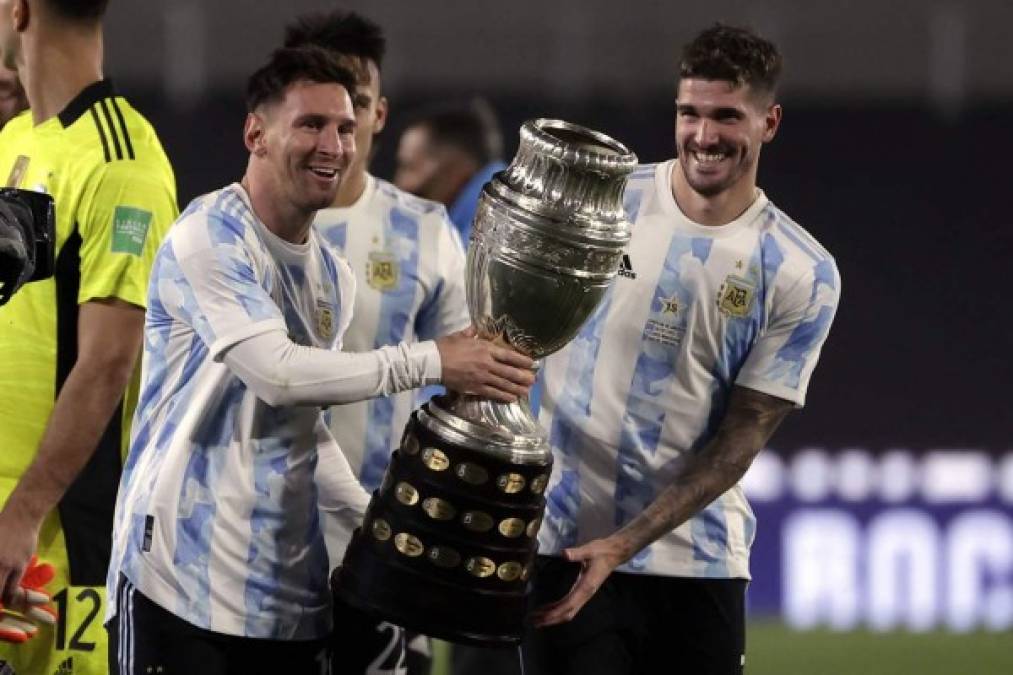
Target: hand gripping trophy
449 539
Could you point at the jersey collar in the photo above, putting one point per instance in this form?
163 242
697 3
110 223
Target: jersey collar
89 96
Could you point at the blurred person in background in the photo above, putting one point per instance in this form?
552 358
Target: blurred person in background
219 562
409 265
657 408
12 96
69 344
447 154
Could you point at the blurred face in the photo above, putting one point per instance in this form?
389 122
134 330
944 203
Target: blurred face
307 141
417 166
370 110
719 130
12 96
10 41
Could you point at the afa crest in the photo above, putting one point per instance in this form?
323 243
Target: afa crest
325 320
382 271
736 296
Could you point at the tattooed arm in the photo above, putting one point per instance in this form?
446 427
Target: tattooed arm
751 419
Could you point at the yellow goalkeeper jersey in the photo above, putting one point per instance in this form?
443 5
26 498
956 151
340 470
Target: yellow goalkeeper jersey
115 198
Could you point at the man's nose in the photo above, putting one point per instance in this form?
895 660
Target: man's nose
706 133
329 142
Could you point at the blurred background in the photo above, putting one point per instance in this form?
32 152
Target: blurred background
885 508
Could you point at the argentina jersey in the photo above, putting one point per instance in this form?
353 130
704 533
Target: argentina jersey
694 311
217 517
409 264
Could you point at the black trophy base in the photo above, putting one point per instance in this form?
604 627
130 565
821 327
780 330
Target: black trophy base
380 587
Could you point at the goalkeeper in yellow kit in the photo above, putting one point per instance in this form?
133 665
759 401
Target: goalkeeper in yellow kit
69 344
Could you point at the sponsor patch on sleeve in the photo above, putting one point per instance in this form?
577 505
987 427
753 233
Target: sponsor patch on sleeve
130 227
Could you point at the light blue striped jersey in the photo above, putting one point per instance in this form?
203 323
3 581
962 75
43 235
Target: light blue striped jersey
695 310
217 519
409 265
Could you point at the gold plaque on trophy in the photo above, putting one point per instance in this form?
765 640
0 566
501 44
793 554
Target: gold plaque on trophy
409 545
439 509
510 483
381 529
477 521
509 571
538 483
511 527
471 473
443 556
533 527
480 566
435 459
406 494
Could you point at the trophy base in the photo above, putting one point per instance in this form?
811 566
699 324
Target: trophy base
424 605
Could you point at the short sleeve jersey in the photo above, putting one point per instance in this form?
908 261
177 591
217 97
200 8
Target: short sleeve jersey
409 264
115 198
694 311
217 517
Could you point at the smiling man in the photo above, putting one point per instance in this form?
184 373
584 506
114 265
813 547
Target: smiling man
219 564
656 410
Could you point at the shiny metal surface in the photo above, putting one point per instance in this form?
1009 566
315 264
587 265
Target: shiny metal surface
546 243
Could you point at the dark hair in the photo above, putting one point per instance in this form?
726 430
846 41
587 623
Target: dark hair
346 33
734 54
78 10
471 127
286 66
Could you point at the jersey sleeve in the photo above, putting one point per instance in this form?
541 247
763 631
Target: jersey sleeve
782 360
208 279
121 223
445 307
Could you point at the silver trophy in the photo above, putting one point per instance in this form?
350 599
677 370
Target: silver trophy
449 539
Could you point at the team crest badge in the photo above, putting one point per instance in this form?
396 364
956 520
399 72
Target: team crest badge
382 271
736 296
325 320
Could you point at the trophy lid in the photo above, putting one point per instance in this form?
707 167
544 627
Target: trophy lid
570 175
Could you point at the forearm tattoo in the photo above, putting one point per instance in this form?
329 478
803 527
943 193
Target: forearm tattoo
751 419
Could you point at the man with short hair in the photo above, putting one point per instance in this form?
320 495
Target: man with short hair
219 563
448 154
706 341
410 268
69 344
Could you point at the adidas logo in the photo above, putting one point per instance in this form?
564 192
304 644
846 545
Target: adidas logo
626 268
65 668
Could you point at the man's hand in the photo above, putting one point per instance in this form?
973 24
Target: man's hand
475 366
597 559
31 602
20 537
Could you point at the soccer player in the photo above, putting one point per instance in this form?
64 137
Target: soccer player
655 411
448 154
219 563
69 344
409 265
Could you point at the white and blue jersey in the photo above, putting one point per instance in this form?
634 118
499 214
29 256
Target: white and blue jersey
409 264
696 310
217 518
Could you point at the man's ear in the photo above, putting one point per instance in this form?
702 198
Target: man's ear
772 122
381 115
20 15
254 132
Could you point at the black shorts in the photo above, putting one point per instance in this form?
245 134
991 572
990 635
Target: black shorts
363 644
145 639
640 624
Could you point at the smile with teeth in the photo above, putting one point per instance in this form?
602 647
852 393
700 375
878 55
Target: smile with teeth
324 171
708 157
